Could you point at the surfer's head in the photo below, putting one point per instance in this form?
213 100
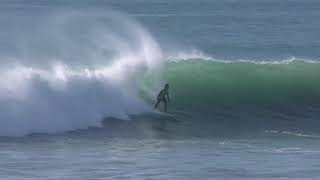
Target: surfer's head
166 86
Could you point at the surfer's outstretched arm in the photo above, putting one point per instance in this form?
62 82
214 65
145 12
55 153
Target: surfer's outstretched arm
158 97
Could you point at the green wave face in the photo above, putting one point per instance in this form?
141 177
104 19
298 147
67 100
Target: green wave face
207 84
211 98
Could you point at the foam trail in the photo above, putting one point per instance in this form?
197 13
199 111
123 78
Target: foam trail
68 70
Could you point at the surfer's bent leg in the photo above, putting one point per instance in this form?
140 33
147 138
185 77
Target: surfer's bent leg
158 101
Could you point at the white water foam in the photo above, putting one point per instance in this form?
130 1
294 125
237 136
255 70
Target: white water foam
75 72
292 133
198 55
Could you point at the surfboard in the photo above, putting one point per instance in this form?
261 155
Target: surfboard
165 114
168 116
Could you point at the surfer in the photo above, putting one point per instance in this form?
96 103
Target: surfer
164 97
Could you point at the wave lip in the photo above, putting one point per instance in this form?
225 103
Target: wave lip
195 55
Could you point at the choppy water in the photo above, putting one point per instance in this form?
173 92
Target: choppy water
78 81
74 157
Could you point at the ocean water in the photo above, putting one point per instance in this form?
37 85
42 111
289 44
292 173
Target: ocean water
78 81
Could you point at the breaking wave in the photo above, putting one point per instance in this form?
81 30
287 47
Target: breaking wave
68 70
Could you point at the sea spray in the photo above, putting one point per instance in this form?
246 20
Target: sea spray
68 70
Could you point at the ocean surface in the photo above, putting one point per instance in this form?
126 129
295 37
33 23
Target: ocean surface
78 81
